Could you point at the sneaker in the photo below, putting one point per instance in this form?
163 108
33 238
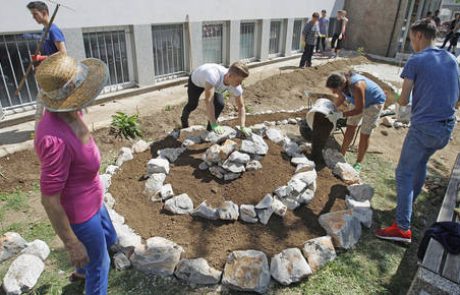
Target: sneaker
357 166
394 233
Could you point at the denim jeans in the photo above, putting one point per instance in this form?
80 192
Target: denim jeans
97 234
422 141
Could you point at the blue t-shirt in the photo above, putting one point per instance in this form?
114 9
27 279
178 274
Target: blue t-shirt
54 35
373 94
436 86
323 25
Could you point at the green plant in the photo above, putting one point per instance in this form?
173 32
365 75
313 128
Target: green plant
361 51
125 126
168 108
248 108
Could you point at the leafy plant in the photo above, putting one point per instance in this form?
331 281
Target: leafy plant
361 51
168 108
125 126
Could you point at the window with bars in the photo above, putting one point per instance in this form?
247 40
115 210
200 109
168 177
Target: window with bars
275 38
110 47
15 52
296 35
168 51
247 41
212 37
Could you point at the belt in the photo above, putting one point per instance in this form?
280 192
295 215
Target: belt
447 121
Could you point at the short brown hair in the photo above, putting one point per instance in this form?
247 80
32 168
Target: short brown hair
239 68
39 5
315 14
336 80
425 26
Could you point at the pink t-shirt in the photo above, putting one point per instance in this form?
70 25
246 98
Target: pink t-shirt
69 168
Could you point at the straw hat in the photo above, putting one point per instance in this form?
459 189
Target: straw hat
67 85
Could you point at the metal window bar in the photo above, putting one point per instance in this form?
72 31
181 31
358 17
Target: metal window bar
275 37
297 31
212 37
247 41
15 52
168 51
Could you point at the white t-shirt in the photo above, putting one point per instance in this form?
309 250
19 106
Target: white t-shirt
213 74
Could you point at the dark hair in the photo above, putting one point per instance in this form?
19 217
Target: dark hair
428 13
457 14
338 79
315 14
323 11
39 5
425 26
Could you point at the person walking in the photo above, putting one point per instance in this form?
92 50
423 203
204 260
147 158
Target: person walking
309 34
216 81
366 100
450 31
434 98
340 28
71 190
323 23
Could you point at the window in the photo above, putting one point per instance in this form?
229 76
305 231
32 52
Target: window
247 41
296 35
110 47
213 43
275 38
168 51
15 52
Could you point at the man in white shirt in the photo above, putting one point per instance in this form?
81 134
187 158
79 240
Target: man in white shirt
215 80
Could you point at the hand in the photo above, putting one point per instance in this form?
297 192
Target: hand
334 116
78 255
246 131
217 128
340 36
38 58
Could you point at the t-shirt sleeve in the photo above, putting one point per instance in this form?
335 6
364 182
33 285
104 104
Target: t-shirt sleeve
409 70
237 91
212 77
56 34
55 162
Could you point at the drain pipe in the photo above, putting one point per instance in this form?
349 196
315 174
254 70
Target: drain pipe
394 28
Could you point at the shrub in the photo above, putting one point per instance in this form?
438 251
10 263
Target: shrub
124 126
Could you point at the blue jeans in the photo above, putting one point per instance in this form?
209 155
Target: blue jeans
422 141
97 234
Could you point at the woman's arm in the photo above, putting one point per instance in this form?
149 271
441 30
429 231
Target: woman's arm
359 95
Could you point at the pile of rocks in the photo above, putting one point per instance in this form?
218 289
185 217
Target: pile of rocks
336 162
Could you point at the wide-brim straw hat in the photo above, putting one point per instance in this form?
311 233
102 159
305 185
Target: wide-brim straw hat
67 85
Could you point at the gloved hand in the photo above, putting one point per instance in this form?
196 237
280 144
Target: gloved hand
38 58
217 128
246 131
334 116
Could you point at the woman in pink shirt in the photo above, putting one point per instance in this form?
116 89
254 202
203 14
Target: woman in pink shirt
72 193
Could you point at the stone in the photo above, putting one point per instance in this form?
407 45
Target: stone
231 176
23 274
279 208
233 167
256 145
238 157
106 180
274 135
226 149
284 122
296 185
171 154
305 148
248 213
283 191
228 211
247 271
109 201
291 203
364 215
388 121
305 167
126 235
37 248
332 157
11 243
115 217
166 192
228 133
352 203
308 177
158 256
347 173
191 140
266 202
212 154
205 211
343 227
270 123
181 204
259 129
157 165
292 121
291 148
197 271
125 154
319 252
217 171
289 267
191 131
121 262
140 146
111 169
264 214
154 184
306 196
361 192
203 166
253 165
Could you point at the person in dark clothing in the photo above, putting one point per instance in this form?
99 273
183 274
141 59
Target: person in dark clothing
436 18
339 31
309 34
450 32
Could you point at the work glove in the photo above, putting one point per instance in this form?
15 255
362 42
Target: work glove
217 128
38 58
334 116
246 131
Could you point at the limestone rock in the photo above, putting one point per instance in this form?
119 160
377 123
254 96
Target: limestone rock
332 157
203 166
109 200
106 180
197 271
299 160
256 145
305 148
364 215
289 267
158 165
212 154
227 148
274 135
296 185
343 227
308 177
115 217
248 213
291 148
319 251
388 121
231 176
233 167
166 192
352 203
154 184
217 171
191 131
228 211
259 129
347 173
126 235
228 133
181 204
171 154
37 248
253 165
11 243
264 214
191 140
361 192
140 146
111 169
23 274
238 157
306 196
247 271
121 262
158 256
266 202
125 154
205 211
283 191
292 121
279 208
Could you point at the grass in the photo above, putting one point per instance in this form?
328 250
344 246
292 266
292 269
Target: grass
12 201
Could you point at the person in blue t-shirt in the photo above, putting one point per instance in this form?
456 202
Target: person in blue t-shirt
365 102
432 75
323 24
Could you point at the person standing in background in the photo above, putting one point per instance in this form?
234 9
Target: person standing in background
339 31
323 23
309 34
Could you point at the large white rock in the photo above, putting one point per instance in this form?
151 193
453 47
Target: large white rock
258 129
319 251
306 196
126 235
332 157
279 208
352 203
283 191
347 173
106 180
23 274
248 213
212 154
233 167
247 271
264 214
364 215
140 146
343 227
125 154
115 217
111 169
154 184
166 192
109 201
171 154
256 145
191 140
11 243
253 165
227 148
231 176
361 192
181 204
158 165
309 177
228 133
197 271
205 211
291 148
274 135
266 202
289 267
217 171
228 211
299 160
238 157
158 256
37 248
296 185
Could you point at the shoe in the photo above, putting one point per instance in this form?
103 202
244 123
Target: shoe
394 233
357 166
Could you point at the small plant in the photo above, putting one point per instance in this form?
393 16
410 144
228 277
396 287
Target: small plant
168 108
124 126
361 51
248 108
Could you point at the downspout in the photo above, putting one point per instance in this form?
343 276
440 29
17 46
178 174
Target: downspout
394 28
